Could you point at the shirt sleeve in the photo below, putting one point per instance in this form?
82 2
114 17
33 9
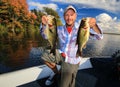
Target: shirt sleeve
96 36
42 29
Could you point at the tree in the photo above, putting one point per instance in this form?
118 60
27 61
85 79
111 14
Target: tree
15 13
4 14
39 14
50 11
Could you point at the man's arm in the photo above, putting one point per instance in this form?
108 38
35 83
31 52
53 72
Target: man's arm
43 26
97 29
95 32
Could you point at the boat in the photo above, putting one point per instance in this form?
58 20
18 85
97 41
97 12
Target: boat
92 72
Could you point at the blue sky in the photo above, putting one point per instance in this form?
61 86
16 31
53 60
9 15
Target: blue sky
106 12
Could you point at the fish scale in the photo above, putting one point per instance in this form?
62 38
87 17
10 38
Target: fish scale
51 32
83 35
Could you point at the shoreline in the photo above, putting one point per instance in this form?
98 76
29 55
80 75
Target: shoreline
111 33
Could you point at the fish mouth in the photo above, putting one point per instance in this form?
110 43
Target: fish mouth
50 25
85 28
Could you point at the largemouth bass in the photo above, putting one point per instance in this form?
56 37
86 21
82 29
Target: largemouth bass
83 35
51 32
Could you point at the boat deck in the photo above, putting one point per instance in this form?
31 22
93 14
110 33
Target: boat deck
103 74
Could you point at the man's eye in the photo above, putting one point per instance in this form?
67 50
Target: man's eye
72 14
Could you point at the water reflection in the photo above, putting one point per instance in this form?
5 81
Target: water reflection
105 47
26 52
16 53
19 51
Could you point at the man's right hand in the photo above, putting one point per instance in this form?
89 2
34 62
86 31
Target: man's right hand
63 55
44 19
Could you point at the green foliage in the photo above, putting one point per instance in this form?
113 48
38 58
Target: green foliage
16 21
3 32
39 15
50 11
3 52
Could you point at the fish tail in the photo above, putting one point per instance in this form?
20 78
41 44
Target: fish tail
84 46
53 51
79 53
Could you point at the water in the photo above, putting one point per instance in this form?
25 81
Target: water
17 55
105 47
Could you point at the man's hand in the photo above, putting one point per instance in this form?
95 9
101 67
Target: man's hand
63 55
94 26
92 22
44 20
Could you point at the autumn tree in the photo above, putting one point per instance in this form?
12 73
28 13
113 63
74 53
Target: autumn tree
15 13
4 13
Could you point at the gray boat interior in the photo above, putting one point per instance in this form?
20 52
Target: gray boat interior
103 74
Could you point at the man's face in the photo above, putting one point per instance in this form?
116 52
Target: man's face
70 17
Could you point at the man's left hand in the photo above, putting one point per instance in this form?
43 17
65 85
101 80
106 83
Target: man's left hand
94 26
92 22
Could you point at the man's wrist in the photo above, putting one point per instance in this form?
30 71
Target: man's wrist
96 29
63 55
43 25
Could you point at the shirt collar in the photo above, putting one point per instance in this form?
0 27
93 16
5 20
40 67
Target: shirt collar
74 27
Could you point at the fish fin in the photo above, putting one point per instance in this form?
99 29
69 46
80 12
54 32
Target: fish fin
84 46
76 42
53 51
50 30
79 53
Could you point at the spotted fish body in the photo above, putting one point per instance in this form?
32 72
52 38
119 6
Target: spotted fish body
51 32
83 35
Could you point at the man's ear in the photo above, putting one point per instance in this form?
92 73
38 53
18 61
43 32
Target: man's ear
75 15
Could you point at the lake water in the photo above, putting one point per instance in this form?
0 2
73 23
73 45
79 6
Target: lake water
23 54
105 47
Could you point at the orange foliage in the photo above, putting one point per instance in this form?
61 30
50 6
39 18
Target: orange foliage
19 9
33 16
19 6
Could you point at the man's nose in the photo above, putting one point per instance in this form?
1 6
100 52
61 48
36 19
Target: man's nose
69 17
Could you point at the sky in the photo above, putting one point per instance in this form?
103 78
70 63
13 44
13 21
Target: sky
106 12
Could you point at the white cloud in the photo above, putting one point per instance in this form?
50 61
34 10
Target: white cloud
40 6
108 24
61 10
109 5
104 18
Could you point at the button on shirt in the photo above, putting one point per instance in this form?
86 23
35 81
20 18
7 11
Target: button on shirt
67 42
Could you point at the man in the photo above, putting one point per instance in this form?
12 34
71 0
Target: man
66 52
